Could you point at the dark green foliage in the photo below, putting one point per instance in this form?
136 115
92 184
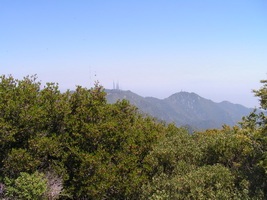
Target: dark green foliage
215 164
97 148
77 146
256 127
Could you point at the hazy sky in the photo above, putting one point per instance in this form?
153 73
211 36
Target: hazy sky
215 48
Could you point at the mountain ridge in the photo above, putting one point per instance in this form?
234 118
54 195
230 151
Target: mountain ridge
184 109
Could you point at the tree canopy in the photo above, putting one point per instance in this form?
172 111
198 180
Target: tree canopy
74 145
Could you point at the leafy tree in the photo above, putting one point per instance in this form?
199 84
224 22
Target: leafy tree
108 146
214 164
256 126
98 149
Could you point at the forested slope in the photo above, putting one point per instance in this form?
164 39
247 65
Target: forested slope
184 109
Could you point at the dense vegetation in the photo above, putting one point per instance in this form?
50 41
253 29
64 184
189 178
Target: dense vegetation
74 145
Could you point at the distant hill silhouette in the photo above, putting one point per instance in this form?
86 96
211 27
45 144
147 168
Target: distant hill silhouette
185 109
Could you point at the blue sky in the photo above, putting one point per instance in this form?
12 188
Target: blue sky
217 49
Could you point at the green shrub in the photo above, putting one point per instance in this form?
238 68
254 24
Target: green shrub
26 186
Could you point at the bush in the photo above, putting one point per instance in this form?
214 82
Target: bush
26 186
97 149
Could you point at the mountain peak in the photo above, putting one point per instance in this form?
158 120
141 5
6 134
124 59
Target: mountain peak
185 96
184 108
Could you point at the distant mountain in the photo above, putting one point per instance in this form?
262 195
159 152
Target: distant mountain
185 109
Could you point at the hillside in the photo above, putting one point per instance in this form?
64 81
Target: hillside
185 109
